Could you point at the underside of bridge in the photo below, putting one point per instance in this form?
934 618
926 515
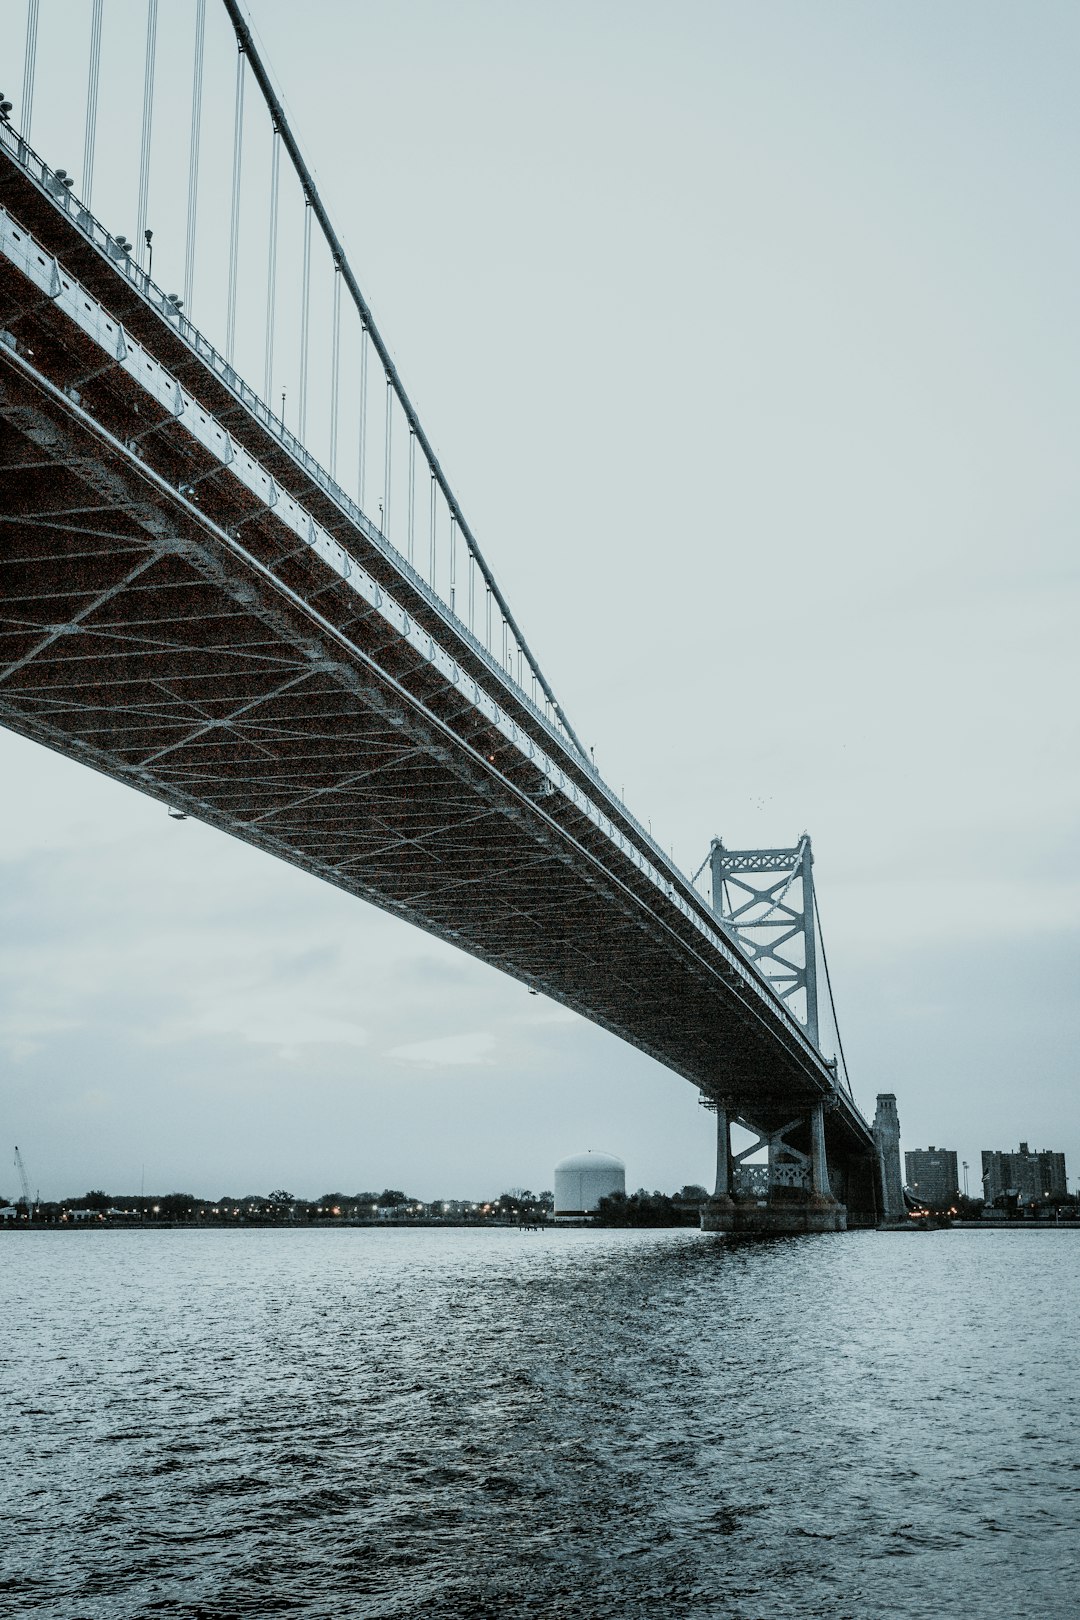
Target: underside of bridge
163 625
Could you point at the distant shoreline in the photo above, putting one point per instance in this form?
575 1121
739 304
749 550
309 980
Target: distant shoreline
1016 1226
488 1225
280 1226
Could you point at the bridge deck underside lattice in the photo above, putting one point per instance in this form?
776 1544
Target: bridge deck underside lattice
187 645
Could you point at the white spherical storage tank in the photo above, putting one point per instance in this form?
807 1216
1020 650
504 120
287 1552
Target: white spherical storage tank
583 1179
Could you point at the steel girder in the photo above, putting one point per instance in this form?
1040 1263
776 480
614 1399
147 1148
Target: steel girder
163 626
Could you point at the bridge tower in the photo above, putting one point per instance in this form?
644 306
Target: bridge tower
765 900
887 1137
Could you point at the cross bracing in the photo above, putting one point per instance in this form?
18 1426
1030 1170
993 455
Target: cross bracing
772 920
447 577
193 611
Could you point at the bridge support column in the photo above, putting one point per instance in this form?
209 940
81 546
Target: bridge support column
818 1160
719 1213
828 1215
794 1193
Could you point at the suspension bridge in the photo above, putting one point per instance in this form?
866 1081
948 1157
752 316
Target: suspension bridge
295 636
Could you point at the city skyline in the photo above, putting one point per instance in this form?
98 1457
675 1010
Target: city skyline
912 1158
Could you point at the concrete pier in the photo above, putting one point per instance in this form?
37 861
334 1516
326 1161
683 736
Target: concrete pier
763 1217
794 1202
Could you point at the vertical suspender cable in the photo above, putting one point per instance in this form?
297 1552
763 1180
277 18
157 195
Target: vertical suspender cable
453 561
234 212
832 1001
29 61
487 638
386 470
311 192
363 417
305 307
412 491
271 267
92 84
193 164
335 371
147 129
431 564
472 589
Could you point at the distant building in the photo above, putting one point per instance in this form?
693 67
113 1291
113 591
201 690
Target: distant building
932 1176
1027 1176
583 1179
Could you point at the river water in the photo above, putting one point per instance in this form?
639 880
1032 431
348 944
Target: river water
344 1425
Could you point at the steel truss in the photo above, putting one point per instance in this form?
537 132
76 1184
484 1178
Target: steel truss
160 624
765 897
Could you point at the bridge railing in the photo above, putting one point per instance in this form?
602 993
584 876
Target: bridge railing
262 270
144 366
64 197
505 654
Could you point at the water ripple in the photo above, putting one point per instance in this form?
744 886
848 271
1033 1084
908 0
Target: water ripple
366 1425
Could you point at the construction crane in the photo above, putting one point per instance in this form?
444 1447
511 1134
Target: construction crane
21 1168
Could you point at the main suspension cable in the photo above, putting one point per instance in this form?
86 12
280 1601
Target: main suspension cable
314 201
701 868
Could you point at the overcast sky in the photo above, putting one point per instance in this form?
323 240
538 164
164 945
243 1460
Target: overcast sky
747 335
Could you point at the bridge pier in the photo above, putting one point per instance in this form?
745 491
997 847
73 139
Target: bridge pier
795 1196
719 1213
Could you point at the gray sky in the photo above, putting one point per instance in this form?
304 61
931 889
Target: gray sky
747 336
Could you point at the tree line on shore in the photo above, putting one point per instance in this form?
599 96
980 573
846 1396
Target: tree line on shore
644 1208
281 1207
518 1206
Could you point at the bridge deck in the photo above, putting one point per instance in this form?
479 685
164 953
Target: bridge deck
188 609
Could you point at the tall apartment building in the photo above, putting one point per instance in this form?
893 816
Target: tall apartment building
1031 1176
932 1176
